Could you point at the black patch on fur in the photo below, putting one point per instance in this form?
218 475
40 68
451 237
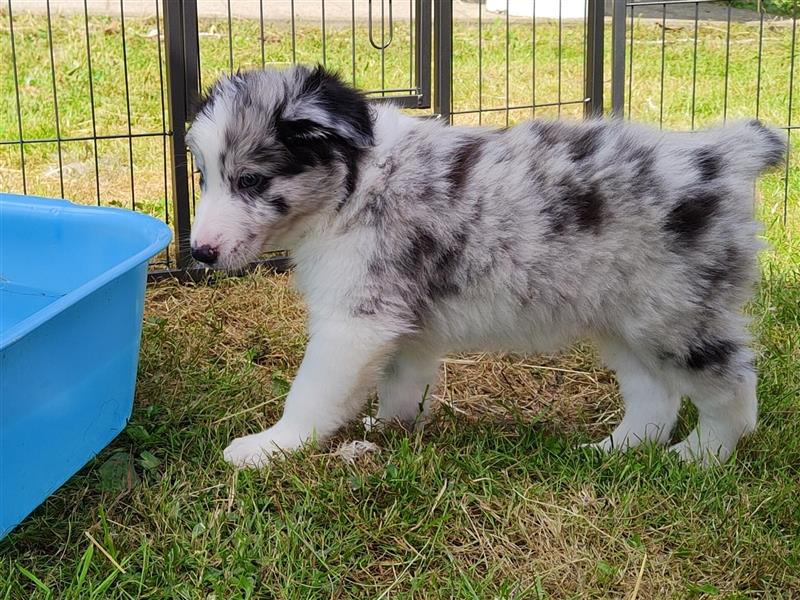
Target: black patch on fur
464 159
581 208
351 162
692 216
709 354
443 282
588 208
336 97
426 270
421 248
310 144
585 143
266 154
709 163
280 204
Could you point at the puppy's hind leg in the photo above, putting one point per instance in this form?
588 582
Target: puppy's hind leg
651 408
727 409
405 389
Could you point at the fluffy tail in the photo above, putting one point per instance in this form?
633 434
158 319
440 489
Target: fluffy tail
755 147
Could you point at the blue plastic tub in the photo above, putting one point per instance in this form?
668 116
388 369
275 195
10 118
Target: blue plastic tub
72 282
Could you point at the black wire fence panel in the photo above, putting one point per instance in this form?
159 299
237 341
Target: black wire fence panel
96 92
92 89
692 64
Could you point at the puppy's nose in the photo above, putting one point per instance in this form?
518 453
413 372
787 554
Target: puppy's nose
205 254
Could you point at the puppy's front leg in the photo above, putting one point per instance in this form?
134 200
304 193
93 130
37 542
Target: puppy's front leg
342 361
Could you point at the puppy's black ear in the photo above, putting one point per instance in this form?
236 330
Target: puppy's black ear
326 108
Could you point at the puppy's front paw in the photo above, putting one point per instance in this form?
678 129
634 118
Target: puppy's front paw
256 450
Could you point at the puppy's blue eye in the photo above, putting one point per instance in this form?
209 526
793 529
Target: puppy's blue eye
251 180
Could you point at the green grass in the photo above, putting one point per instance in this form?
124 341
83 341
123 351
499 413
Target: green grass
773 7
482 505
493 500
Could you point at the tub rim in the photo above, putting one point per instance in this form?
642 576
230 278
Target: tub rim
159 233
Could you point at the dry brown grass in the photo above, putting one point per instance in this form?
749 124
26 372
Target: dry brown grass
261 318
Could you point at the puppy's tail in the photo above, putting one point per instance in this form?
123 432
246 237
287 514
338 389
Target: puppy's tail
754 147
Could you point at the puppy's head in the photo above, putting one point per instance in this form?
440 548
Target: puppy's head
276 149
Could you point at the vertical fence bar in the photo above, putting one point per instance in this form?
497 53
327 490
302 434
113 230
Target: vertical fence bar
16 92
353 39
261 21
560 55
422 68
727 66
694 61
383 47
91 99
176 93
230 39
618 58
55 99
164 135
593 81
443 50
789 120
508 60
191 52
760 59
324 37
630 65
294 34
480 63
412 23
127 102
663 65
533 60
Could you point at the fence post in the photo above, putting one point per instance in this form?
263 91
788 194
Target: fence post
422 59
443 56
618 58
593 86
177 72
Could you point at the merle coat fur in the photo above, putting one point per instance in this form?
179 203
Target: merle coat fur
412 239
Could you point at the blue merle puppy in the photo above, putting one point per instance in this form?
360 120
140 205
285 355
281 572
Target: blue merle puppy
412 239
